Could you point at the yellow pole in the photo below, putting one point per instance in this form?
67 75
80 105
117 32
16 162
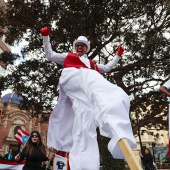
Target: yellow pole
129 155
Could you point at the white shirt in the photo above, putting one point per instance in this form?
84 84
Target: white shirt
59 58
167 84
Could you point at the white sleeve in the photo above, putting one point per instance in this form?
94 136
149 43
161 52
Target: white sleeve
106 68
51 55
167 84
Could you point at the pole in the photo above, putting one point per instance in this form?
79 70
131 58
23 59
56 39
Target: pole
153 145
129 155
140 141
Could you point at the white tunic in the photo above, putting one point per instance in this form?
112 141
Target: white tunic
167 84
87 101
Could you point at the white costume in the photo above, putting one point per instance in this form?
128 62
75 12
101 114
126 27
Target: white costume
86 101
167 84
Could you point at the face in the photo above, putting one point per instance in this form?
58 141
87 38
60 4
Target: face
146 151
34 138
80 48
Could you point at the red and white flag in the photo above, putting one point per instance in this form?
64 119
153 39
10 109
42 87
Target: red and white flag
8 164
21 136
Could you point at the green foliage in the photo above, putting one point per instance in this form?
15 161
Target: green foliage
8 58
140 26
108 162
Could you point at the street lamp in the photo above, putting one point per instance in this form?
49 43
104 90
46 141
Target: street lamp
138 131
153 145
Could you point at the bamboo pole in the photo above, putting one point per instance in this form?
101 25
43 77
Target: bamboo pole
129 155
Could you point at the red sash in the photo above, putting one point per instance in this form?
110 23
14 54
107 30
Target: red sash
73 60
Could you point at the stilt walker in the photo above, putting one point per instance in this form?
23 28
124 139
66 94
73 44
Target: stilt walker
169 124
87 101
165 88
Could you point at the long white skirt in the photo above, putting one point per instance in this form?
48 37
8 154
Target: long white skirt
95 102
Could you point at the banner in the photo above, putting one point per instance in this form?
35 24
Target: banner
60 163
13 165
21 136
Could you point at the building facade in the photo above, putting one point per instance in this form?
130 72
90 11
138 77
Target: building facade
157 141
12 117
3 45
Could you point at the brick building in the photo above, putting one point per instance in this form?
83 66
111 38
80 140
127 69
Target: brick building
12 117
3 45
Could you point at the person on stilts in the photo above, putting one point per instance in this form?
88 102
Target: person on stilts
86 101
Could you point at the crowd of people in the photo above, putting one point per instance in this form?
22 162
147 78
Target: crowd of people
34 153
9 155
12 153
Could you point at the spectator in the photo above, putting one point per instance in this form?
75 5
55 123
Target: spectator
1 156
16 152
34 152
9 155
148 160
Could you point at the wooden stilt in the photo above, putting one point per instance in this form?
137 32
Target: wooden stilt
129 155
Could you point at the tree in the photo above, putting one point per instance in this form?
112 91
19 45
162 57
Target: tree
5 59
139 25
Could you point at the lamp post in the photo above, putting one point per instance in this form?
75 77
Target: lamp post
137 120
140 141
153 145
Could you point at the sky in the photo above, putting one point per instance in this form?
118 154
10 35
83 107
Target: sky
17 47
17 50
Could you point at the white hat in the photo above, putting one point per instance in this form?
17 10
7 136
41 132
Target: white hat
84 40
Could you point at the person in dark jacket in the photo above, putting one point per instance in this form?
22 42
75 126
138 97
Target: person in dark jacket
34 152
9 155
1 157
148 160
20 147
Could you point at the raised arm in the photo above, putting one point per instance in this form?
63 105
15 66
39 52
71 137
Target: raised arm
107 67
164 88
50 54
19 157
